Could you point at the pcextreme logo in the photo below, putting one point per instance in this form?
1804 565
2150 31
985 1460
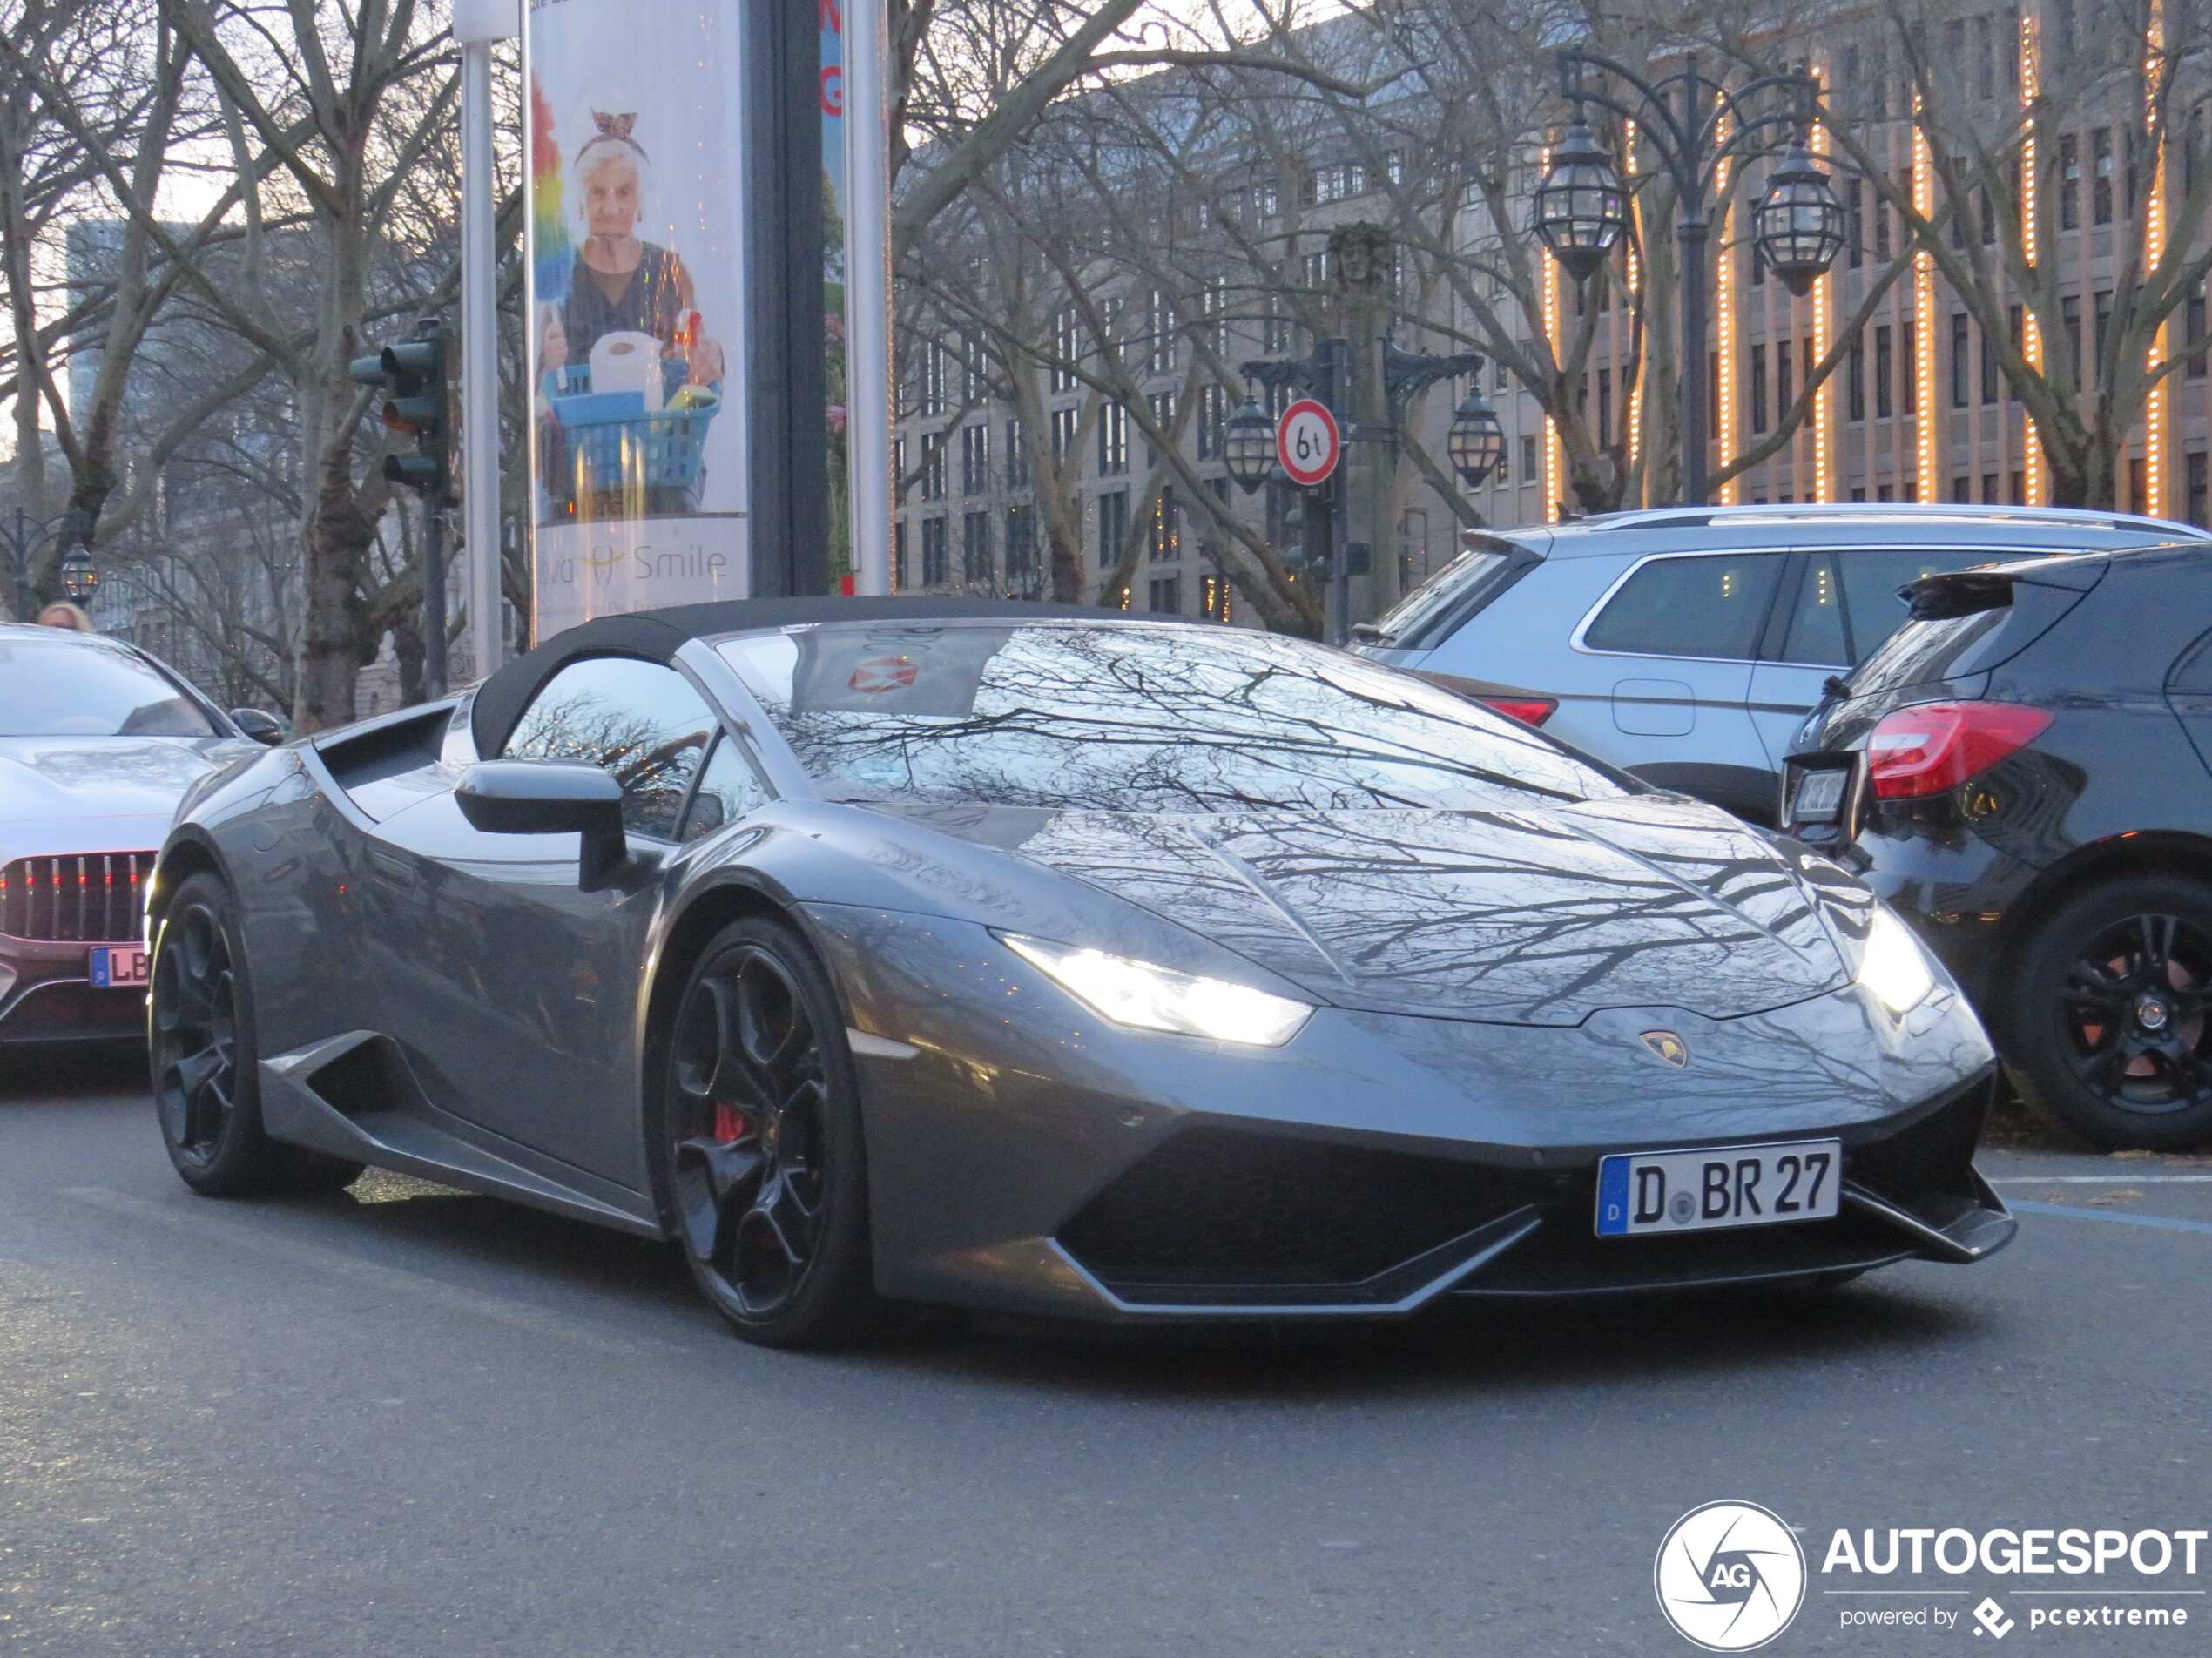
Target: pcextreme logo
1729 1576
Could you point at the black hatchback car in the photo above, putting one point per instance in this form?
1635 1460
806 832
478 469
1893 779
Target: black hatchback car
2024 770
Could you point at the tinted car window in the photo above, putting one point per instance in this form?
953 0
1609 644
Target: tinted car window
1925 652
640 722
727 791
1872 576
68 687
1459 584
1707 605
1134 718
1816 632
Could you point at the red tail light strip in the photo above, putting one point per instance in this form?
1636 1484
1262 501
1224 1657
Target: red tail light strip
1933 748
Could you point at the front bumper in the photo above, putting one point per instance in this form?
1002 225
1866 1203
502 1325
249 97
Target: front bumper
47 996
1027 1158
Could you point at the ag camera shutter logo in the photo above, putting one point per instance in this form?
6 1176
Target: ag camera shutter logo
1729 1576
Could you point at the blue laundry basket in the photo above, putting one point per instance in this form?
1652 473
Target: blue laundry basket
613 443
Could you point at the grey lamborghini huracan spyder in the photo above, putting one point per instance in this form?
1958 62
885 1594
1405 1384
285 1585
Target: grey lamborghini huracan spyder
1053 962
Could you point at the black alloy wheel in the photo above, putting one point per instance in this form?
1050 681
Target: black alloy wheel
195 1033
2114 1013
206 1085
764 1161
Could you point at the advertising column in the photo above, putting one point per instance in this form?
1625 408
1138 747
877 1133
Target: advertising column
636 304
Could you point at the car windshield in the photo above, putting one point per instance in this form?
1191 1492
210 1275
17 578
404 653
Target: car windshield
1134 718
66 686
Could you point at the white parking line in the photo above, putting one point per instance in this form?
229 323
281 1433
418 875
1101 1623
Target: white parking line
397 1280
2101 1180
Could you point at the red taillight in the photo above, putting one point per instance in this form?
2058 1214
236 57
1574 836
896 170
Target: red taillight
1532 710
1937 746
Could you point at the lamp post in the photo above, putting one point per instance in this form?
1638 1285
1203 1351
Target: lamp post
1582 208
1476 441
80 577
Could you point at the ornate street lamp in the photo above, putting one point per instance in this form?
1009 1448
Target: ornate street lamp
1799 224
79 576
1250 445
1690 126
1581 208
1477 440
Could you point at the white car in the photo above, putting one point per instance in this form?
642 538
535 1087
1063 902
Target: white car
99 743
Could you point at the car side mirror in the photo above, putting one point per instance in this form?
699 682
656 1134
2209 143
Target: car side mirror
550 797
259 725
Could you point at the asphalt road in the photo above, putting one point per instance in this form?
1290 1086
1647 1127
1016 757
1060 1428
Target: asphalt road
412 1422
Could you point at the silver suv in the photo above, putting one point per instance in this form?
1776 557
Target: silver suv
1688 644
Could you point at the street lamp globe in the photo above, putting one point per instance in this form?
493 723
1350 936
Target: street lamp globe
79 576
1477 440
1581 209
1249 445
1798 224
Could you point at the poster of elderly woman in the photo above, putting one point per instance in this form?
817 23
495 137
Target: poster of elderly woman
637 300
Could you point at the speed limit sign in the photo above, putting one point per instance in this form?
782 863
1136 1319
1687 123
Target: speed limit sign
1306 442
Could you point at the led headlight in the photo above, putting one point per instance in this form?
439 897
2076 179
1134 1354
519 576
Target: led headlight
1895 967
1136 993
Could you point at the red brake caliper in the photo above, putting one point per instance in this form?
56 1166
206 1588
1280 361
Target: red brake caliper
729 1122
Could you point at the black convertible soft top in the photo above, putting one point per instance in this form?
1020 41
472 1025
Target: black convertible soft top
655 636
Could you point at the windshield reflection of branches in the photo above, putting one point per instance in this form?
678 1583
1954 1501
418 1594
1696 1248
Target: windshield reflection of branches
1176 720
653 767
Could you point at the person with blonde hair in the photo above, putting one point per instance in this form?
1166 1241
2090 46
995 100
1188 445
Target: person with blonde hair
62 614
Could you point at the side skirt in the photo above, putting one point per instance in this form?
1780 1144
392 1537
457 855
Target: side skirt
355 1096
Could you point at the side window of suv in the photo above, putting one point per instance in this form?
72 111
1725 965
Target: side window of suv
639 721
1704 604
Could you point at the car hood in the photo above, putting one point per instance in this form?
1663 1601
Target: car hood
1525 916
51 785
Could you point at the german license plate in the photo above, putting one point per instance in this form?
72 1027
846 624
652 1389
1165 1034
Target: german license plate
118 967
1820 797
1640 1192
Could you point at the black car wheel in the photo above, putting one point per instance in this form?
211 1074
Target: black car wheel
765 1170
205 1083
2112 1012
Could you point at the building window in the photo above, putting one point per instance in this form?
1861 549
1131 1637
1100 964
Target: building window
1213 597
1908 393
2070 326
1957 359
2069 181
1167 527
2101 162
2200 480
1785 378
1531 466
2104 328
899 555
1159 321
1757 388
1213 420
1164 595
1162 406
935 570
933 470
1605 408
2193 334
1855 220
975 550
1274 327
2017 322
933 361
1021 551
1066 424
1017 458
1988 366
974 460
2138 494
1113 527
1855 376
1962 489
1113 440
1067 348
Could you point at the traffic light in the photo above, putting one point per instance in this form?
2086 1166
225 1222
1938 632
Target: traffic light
413 373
